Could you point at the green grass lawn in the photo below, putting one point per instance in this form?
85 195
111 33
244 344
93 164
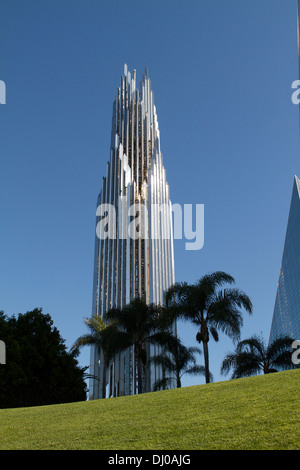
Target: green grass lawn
252 413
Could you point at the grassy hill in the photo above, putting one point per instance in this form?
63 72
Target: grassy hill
252 413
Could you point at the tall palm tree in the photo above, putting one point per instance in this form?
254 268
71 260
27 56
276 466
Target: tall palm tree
104 336
253 356
177 360
210 308
141 325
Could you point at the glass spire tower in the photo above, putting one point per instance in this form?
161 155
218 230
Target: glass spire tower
286 316
138 263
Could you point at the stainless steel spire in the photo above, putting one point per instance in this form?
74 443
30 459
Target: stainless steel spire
132 261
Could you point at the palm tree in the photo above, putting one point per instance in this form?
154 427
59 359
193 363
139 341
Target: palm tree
209 308
177 360
105 337
253 356
141 325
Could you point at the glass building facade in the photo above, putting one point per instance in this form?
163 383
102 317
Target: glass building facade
139 264
286 316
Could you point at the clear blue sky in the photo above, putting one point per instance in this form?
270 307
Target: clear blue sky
221 73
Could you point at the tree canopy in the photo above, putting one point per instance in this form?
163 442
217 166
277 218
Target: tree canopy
39 370
253 356
210 308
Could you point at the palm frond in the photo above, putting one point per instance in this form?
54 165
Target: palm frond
279 352
164 361
253 345
85 340
197 370
228 363
162 384
246 365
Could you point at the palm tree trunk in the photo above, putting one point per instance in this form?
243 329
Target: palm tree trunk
164 376
206 361
104 376
140 375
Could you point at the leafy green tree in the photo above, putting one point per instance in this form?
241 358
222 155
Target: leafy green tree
253 356
177 360
39 370
210 308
